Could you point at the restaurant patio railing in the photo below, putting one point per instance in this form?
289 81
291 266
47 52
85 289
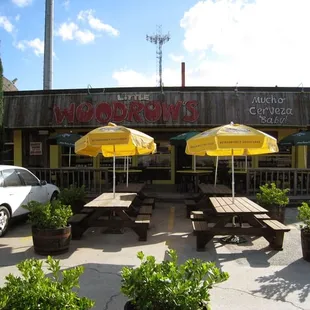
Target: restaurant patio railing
297 180
95 179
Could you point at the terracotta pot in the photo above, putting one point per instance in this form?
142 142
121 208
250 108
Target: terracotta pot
51 241
305 244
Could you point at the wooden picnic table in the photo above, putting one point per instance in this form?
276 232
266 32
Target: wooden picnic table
195 174
253 220
111 212
241 205
121 173
132 187
211 190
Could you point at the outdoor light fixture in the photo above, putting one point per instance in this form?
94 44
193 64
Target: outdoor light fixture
236 88
302 87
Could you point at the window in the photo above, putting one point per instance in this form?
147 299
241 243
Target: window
28 178
11 178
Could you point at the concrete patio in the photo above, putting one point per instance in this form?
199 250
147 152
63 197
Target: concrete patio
259 278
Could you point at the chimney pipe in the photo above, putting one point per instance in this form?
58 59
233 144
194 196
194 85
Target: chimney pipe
183 73
48 45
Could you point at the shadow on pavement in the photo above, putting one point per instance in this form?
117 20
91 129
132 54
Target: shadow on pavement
292 279
255 258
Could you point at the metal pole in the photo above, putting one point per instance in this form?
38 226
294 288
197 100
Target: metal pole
183 74
127 172
114 176
216 168
70 157
233 176
48 45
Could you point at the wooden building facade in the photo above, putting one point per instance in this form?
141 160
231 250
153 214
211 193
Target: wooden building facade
32 117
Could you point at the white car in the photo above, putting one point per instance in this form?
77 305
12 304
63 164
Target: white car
18 186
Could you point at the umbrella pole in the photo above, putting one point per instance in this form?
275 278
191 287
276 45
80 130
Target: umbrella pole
125 163
216 166
114 177
233 238
194 162
233 176
70 156
305 156
246 163
127 172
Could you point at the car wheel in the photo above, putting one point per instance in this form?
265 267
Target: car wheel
54 196
4 220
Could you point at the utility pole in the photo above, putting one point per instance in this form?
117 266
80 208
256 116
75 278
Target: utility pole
48 45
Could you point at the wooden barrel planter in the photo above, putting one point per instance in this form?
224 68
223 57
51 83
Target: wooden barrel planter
130 306
305 245
277 213
77 206
51 241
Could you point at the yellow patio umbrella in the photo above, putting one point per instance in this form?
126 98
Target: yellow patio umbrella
231 140
114 140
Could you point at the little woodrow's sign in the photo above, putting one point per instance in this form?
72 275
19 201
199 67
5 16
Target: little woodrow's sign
190 109
128 108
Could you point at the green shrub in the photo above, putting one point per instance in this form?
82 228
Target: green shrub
34 290
270 195
167 285
51 215
68 196
304 216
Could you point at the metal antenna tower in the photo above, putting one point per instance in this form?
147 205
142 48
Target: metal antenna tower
159 40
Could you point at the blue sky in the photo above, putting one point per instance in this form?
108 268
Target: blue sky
102 43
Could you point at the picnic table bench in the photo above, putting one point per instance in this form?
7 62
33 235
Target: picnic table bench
252 220
207 191
111 212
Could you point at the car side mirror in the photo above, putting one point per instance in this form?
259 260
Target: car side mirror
43 183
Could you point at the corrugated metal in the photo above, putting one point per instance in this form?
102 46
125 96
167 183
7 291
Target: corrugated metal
213 107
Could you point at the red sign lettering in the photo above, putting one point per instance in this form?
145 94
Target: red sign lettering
64 114
84 112
120 112
103 113
135 111
191 107
152 111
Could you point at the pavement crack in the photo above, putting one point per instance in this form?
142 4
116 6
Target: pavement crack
104 272
106 307
257 296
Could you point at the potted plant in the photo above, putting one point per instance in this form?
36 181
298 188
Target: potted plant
168 285
304 216
50 232
274 199
73 196
34 290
